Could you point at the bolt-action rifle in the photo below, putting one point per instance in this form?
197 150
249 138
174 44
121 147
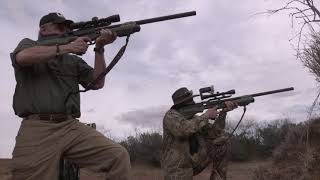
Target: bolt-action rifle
92 28
217 99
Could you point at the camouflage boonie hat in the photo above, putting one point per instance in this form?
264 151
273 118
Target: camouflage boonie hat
56 18
181 95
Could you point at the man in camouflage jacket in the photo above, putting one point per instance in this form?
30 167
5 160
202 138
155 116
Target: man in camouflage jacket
191 143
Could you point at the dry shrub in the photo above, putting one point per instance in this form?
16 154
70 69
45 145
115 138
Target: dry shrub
144 148
310 55
295 158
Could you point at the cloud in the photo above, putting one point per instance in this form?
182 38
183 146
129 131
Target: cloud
150 117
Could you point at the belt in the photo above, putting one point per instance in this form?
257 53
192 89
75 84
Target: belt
54 118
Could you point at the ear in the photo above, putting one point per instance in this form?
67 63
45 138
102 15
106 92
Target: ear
43 30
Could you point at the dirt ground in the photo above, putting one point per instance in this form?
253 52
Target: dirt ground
237 171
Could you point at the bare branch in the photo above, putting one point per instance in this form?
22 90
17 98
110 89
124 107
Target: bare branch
314 9
305 12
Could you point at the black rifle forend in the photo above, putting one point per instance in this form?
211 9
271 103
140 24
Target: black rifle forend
92 28
219 102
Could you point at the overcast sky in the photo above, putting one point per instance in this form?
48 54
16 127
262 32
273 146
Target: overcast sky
224 45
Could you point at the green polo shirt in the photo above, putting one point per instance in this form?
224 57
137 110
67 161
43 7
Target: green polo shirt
42 88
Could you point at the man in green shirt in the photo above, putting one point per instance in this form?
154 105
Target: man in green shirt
49 131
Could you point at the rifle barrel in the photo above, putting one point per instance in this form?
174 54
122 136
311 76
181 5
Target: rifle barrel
157 19
272 92
164 18
260 94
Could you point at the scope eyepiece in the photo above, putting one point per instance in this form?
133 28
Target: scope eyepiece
206 89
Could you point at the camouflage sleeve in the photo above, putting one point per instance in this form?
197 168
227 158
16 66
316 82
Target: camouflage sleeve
221 120
217 128
179 126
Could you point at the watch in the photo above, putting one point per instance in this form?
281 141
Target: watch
99 50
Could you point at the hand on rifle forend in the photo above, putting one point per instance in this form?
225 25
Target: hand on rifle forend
230 105
106 37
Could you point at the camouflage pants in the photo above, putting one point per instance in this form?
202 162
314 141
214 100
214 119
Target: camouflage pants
179 174
219 157
177 165
213 151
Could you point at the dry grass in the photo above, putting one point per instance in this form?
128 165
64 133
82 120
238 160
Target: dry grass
295 158
237 171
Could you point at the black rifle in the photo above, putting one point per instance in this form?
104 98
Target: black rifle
217 99
92 28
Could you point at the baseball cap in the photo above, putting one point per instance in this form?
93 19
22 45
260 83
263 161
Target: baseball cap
56 18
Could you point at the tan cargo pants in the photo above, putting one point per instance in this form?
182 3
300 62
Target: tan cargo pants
41 144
